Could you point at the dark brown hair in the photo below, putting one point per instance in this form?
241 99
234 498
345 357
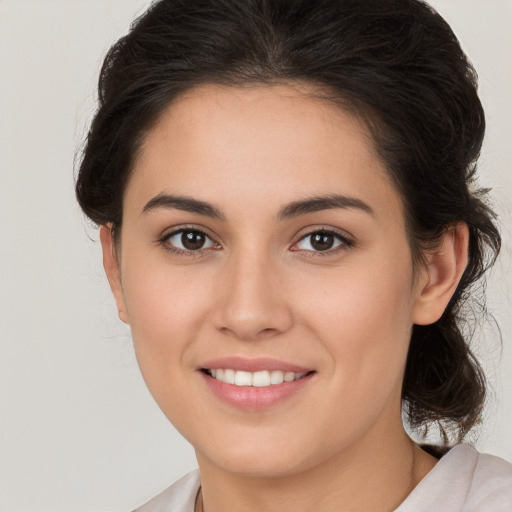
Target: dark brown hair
395 63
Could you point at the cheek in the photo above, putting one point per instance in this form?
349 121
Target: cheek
161 297
363 317
166 308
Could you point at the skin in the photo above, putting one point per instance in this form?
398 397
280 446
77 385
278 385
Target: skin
259 288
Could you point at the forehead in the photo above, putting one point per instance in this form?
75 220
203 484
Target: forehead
270 143
257 114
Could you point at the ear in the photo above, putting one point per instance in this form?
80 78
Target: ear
441 276
111 266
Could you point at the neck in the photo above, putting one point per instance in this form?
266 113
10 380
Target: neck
371 476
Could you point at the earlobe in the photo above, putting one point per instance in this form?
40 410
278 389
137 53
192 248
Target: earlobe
441 275
111 266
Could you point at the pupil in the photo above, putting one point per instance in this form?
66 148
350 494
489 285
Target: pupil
322 241
192 240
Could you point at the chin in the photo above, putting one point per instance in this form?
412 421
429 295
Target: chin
264 459
260 467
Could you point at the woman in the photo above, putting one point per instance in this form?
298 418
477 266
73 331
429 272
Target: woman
290 226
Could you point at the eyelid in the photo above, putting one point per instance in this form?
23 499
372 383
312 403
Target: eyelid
164 241
169 231
345 238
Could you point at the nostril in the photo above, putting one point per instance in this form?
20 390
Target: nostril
269 331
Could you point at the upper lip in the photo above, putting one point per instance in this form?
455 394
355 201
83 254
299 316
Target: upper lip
257 364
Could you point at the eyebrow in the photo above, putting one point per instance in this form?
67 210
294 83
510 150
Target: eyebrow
184 203
316 204
291 210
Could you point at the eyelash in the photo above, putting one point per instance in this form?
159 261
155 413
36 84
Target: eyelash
344 244
164 241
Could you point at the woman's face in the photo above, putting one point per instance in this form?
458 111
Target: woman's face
261 235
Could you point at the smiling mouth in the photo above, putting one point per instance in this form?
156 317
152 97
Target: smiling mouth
253 379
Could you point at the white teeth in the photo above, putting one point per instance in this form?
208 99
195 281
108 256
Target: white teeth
261 379
243 378
256 379
229 376
276 377
289 376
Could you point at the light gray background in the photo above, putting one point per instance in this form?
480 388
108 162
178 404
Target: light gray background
78 430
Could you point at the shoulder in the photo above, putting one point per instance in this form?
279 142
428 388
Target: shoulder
491 486
179 497
464 480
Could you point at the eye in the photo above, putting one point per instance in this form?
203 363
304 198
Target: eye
185 241
322 241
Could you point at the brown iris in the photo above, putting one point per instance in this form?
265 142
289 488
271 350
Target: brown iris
322 241
193 240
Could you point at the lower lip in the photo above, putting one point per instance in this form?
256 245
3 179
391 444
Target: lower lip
254 398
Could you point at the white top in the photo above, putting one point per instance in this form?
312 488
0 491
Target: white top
462 481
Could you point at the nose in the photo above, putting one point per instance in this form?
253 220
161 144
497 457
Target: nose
251 303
